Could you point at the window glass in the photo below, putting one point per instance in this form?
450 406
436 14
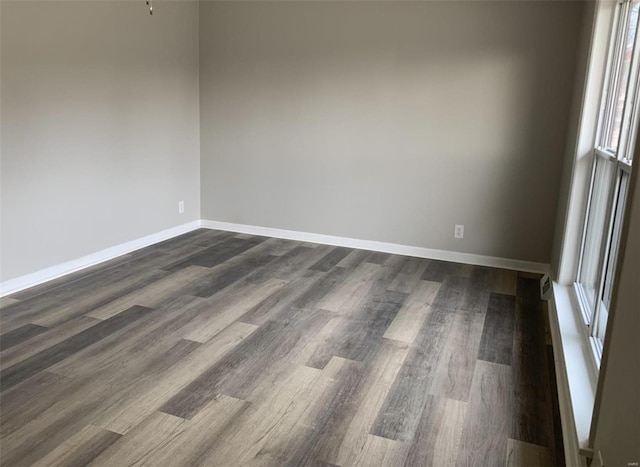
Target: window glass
595 234
621 76
615 238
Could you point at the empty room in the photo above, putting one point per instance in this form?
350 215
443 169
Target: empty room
319 233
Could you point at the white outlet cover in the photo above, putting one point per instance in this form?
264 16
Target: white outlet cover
458 231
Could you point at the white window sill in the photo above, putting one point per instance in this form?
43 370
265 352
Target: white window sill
576 373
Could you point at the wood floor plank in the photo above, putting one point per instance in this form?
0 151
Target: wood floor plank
279 445
44 359
399 417
152 295
377 257
84 400
296 298
217 254
227 316
451 293
75 402
68 305
477 290
132 346
310 244
226 274
80 449
294 346
424 293
141 445
202 236
353 289
548 339
24 402
318 340
19 335
279 420
329 427
54 426
273 246
530 421
290 265
487 422
173 256
362 333
497 336
534 276
458 360
407 323
198 442
281 299
331 259
353 259
45 340
504 281
363 327
438 271
188 444
381 452
6 301
380 378
521 454
556 445
162 255
197 237
314 295
410 275
416 266
254 356
437 439
143 400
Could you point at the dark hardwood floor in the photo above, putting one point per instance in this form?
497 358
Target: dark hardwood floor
224 349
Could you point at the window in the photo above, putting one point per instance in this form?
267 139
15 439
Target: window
612 154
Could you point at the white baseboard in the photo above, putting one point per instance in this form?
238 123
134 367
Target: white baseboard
394 248
44 275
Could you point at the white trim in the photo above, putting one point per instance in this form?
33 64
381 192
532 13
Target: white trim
576 379
44 275
385 247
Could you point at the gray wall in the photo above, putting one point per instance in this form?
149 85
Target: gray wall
616 430
100 130
389 121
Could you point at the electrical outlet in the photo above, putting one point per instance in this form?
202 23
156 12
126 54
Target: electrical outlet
181 207
458 231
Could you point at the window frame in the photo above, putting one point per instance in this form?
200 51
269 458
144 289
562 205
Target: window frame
621 160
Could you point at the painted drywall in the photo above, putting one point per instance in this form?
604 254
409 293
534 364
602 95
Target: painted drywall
100 126
389 121
616 429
